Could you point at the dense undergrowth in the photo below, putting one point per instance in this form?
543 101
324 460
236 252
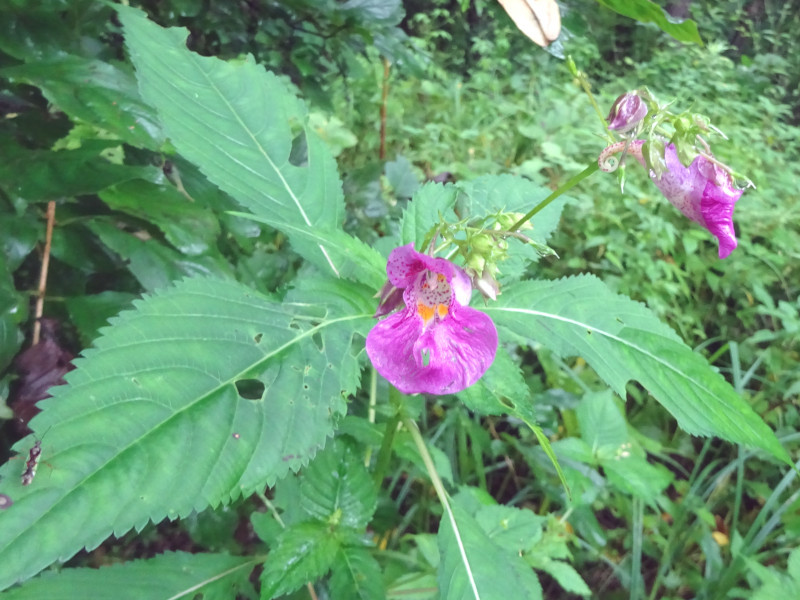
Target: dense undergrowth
466 95
524 113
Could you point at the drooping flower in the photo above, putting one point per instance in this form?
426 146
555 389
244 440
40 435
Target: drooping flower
627 112
436 344
703 191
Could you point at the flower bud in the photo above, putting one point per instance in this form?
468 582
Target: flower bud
475 263
481 244
509 219
486 284
627 112
390 299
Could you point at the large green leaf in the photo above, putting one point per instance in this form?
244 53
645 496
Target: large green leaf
337 485
205 392
475 567
172 575
336 500
46 175
356 576
188 226
240 124
430 203
650 12
623 340
304 552
154 264
95 92
13 311
493 193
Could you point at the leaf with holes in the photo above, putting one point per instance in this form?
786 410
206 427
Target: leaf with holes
622 340
247 132
206 392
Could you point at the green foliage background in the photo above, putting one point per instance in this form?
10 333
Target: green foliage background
651 511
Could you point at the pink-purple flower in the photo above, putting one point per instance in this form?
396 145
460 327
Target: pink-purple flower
703 191
436 344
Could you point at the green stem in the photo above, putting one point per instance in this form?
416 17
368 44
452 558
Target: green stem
588 90
385 452
438 486
373 395
575 180
637 587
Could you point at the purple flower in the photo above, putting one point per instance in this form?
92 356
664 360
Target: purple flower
703 191
627 112
436 344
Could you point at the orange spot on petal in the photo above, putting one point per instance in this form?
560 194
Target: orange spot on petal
442 310
424 311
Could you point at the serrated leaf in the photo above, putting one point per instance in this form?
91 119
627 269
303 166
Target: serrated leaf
430 203
360 262
493 193
234 120
153 425
170 575
622 340
91 312
305 552
337 486
95 92
473 567
356 575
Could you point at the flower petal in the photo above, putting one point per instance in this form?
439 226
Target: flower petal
682 186
443 359
405 264
704 193
717 209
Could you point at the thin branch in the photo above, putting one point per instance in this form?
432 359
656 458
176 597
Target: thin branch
384 97
37 324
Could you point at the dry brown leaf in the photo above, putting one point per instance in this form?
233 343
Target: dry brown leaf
537 19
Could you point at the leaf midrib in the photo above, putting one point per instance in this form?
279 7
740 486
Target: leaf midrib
616 338
79 485
197 61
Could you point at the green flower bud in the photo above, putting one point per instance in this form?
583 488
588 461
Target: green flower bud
481 244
